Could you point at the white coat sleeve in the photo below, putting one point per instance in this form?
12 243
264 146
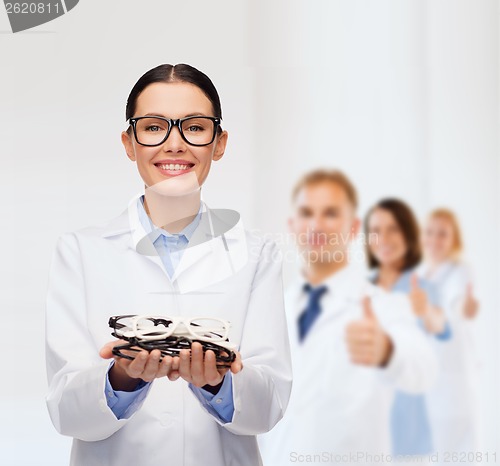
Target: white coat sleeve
77 375
261 390
413 366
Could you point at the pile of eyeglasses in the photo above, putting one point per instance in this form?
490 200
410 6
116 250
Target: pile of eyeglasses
170 335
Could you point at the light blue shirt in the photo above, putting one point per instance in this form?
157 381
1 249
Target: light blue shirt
410 427
170 248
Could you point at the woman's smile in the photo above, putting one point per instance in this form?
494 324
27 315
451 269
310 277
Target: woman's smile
173 167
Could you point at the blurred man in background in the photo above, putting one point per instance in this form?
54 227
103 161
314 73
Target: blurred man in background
352 343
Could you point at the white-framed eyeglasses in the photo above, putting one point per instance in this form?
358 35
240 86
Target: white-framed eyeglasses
153 327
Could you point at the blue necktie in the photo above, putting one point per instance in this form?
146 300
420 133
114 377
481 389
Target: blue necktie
312 310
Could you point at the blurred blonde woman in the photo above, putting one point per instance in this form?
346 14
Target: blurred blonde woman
443 246
452 402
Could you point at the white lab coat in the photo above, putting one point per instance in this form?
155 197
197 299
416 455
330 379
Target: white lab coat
452 403
337 407
97 272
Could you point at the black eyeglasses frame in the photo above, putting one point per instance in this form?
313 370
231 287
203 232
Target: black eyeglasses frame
171 123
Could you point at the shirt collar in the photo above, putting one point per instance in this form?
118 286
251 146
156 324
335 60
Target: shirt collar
401 284
127 227
154 232
347 283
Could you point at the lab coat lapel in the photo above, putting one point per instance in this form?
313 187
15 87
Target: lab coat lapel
216 251
127 231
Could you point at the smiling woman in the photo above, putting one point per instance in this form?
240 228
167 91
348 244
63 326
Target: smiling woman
174 115
168 254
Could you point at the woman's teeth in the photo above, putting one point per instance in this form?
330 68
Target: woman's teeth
173 166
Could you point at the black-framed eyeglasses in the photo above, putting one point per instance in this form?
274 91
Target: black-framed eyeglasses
170 335
195 130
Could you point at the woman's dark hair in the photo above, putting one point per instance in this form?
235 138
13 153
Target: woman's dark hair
171 74
409 227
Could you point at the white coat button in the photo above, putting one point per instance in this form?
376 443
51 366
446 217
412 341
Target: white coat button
166 419
103 405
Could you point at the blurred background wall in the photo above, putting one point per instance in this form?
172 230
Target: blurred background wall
402 95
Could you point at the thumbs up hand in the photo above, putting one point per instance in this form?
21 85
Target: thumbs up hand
470 305
367 342
433 317
418 297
